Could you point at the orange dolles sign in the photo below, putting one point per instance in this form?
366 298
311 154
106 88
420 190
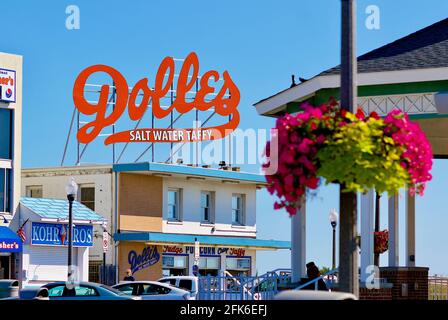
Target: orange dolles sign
225 103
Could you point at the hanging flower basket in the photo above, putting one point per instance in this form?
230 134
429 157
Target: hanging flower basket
358 152
381 241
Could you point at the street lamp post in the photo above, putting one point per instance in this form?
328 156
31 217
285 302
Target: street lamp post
72 189
334 222
348 253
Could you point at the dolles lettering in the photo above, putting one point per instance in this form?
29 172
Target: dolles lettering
225 102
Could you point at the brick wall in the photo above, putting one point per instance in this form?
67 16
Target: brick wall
409 283
375 294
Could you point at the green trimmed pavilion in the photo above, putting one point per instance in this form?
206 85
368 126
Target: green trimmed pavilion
410 74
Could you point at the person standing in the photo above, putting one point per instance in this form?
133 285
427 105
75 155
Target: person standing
129 276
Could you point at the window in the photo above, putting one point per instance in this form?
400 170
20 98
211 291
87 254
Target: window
34 191
186 284
128 289
6 134
84 291
87 195
5 190
56 291
207 206
237 263
153 289
173 204
169 261
79 291
238 209
169 281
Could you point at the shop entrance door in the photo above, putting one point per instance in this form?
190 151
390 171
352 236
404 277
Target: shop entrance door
5 267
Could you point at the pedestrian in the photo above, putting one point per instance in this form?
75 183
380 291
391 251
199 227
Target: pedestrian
129 276
313 272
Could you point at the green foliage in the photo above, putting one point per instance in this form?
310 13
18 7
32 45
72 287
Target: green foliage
360 157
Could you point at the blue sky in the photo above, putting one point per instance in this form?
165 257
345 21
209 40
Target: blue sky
261 43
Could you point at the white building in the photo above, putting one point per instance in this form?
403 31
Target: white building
95 191
158 211
10 163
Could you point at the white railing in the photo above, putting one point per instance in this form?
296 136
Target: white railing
437 287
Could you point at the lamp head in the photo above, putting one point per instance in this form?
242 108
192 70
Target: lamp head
71 188
333 217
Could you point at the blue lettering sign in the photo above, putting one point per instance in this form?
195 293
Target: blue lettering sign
53 234
149 257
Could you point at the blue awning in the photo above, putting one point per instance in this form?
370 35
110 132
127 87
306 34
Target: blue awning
171 238
9 240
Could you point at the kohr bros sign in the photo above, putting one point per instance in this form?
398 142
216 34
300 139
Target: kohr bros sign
53 234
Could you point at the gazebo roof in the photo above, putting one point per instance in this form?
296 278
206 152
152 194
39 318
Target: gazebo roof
425 48
413 58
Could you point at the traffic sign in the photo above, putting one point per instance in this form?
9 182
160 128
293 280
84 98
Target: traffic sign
105 241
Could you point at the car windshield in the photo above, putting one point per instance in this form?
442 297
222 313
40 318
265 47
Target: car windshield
116 291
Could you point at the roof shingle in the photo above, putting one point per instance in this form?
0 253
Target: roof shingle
425 48
58 209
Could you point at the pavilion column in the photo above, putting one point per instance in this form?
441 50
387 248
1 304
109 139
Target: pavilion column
298 243
393 231
410 230
367 226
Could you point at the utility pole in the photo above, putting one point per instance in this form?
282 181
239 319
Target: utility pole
348 247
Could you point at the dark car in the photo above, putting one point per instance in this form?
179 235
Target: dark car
84 291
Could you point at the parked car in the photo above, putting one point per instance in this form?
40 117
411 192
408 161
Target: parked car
84 291
313 295
189 283
152 290
30 294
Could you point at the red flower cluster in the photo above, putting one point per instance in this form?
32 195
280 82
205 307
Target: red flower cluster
300 137
417 153
381 241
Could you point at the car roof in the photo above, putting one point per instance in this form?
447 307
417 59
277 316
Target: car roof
166 285
179 277
63 283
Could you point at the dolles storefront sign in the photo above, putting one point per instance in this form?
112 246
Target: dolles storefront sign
52 234
148 257
7 85
211 93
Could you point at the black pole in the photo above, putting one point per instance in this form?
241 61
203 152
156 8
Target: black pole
70 198
104 269
376 257
348 247
333 224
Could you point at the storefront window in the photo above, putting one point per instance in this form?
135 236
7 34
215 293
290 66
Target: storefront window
5 134
238 266
5 190
175 265
209 266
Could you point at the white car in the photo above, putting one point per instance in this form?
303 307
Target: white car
189 283
152 290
